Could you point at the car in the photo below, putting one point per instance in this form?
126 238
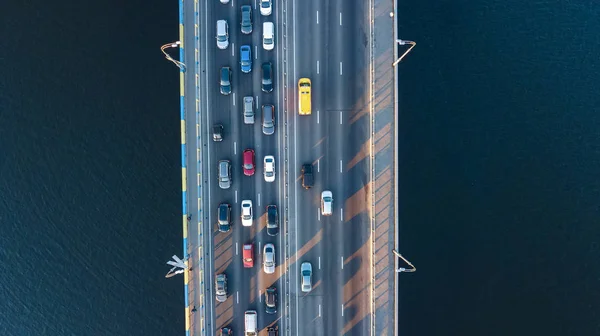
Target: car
247 215
273 331
246 58
307 176
225 81
268 35
266 7
269 258
267 77
248 158
225 331
248 255
218 132
271 300
224 217
326 203
268 119
272 220
269 165
224 174
222 34
221 287
306 271
248 110
246 19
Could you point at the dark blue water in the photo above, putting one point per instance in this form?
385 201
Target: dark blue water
90 179
499 169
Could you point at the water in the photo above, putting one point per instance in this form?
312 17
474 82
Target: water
499 147
500 154
90 201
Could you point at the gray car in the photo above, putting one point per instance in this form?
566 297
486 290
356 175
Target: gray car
221 287
224 174
246 19
268 119
269 258
225 81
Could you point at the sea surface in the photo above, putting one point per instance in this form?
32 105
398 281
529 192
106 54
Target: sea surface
90 177
499 169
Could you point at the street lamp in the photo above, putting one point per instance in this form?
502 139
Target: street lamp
167 56
404 42
402 269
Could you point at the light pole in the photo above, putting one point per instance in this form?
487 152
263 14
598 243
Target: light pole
404 42
167 56
402 269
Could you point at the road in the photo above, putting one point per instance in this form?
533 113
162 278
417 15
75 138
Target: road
328 42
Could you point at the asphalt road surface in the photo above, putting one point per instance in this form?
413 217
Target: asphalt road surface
325 41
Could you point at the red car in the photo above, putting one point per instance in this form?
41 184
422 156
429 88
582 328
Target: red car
249 166
248 255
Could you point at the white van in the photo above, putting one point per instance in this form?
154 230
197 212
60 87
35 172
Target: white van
222 34
268 35
250 323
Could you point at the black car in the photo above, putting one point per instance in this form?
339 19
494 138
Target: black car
307 176
225 81
224 213
272 220
271 300
246 19
267 77
218 132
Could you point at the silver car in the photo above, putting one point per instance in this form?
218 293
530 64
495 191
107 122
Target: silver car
268 119
221 287
326 203
306 271
224 174
269 258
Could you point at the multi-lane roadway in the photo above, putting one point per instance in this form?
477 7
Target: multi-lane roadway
326 41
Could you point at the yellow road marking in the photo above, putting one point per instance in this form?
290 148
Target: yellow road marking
182 132
183 179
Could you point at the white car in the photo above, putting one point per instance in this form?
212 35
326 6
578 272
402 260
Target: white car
306 271
269 258
266 7
247 215
326 203
222 34
269 165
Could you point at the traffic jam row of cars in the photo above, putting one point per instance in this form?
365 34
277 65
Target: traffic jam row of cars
224 220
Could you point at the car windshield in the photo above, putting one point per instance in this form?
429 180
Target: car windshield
306 273
248 165
327 199
264 4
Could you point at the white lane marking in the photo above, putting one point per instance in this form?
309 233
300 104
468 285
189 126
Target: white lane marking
231 3
232 49
236 248
257 102
258 199
317 67
341 166
342 257
319 262
340 68
317 116
255 3
236 196
340 18
341 214
234 148
237 297
255 52
319 310
318 166
319 214
341 117
317 17
233 97
342 310
259 295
